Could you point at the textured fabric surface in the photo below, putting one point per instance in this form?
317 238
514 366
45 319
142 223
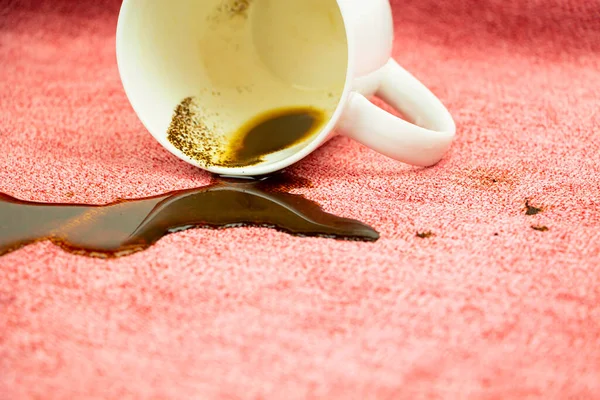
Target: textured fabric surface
486 308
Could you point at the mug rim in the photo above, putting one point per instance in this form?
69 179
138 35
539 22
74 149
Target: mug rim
260 168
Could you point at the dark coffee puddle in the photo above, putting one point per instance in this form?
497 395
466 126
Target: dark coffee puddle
129 226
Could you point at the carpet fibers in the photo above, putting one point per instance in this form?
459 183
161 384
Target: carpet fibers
486 307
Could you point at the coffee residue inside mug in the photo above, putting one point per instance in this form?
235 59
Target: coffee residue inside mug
129 226
234 8
190 133
272 132
263 135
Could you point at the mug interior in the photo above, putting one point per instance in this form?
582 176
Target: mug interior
237 59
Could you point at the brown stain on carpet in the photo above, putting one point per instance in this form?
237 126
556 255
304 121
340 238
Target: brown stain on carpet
532 210
540 228
425 235
483 178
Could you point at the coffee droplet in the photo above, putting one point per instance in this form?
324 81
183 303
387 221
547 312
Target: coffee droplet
263 135
125 227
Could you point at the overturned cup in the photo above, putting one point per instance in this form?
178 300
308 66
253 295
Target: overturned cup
249 87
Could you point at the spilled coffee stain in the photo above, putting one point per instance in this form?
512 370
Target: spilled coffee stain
491 178
531 210
267 133
425 235
129 226
540 228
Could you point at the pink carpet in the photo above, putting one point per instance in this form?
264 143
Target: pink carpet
487 308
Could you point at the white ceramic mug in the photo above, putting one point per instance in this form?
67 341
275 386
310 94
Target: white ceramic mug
239 58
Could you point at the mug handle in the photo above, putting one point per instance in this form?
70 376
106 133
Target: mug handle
423 143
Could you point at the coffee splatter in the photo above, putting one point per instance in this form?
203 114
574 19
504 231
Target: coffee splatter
540 228
425 235
484 178
531 210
